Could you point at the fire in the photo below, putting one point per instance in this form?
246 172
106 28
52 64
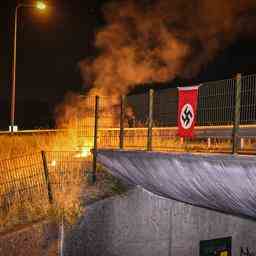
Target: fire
53 163
85 152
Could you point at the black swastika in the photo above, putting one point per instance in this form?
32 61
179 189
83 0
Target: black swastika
186 116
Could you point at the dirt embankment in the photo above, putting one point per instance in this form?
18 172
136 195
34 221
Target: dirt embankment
38 239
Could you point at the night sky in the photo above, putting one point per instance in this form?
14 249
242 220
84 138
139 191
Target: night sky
50 45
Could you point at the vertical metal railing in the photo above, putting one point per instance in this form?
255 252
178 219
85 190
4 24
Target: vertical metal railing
236 112
150 119
122 116
95 144
47 178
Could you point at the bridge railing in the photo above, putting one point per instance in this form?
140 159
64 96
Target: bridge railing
216 102
248 100
125 122
148 120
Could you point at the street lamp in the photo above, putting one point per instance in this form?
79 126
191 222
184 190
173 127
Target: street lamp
38 5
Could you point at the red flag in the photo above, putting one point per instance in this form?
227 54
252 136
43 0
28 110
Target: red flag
187 110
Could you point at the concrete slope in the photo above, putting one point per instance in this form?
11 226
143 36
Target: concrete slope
221 182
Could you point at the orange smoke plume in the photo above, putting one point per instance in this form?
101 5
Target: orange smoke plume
148 41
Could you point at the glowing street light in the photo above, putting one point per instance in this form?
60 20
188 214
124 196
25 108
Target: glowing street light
41 6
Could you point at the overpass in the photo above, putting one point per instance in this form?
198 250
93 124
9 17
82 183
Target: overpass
224 183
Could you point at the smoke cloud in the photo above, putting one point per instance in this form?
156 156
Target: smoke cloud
146 41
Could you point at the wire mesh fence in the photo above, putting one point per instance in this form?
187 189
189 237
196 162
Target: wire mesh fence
135 132
165 107
22 181
66 168
108 123
85 122
215 118
34 180
248 100
216 103
154 126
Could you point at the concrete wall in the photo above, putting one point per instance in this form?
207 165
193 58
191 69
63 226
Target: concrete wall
137 224
143 224
192 224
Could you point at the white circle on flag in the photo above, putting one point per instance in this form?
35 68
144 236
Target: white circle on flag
187 116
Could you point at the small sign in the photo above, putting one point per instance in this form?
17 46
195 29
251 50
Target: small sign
216 247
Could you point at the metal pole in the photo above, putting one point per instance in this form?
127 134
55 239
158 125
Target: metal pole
122 113
46 174
14 61
150 119
96 120
236 120
13 93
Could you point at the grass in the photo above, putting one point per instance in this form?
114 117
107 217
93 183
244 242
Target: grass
24 194
70 199
105 186
26 143
23 188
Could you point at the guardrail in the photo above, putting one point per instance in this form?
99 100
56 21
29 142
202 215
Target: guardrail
201 132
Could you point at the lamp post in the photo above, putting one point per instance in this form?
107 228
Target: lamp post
40 6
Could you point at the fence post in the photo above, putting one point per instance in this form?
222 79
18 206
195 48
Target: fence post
236 120
47 179
209 142
242 143
96 120
150 119
122 113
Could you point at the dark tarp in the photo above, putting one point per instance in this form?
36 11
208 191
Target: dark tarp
222 182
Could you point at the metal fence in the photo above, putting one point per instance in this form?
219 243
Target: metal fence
146 121
22 181
149 120
248 100
34 180
216 103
